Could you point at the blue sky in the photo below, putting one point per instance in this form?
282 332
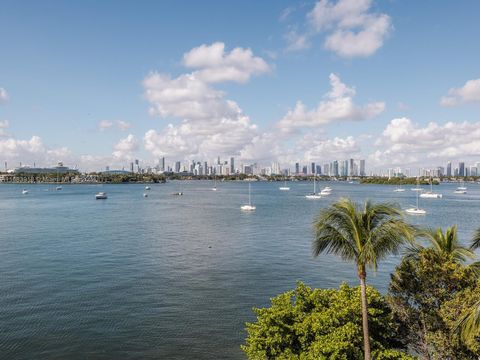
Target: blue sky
68 67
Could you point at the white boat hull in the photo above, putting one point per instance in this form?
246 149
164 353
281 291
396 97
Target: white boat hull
313 196
431 196
248 208
284 188
415 211
460 192
399 190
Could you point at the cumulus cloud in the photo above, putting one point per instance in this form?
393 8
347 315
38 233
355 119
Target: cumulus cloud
123 125
4 97
30 151
210 124
124 149
296 41
338 105
315 148
351 29
104 125
404 142
468 93
216 65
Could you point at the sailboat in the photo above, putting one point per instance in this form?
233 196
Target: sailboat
399 189
249 206
430 194
284 187
416 210
314 195
461 189
214 183
59 187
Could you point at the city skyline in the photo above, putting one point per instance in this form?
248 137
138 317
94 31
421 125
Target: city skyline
292 87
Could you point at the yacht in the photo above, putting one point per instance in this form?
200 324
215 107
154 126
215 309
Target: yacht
416 210
430 194
101 195
214 184
24 192
460 190
314 195
249 206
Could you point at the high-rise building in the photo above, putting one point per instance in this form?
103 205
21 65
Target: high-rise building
313 168
297 168
345 168
319 170
461 169
177 166
305 170
162 164
131 167
335 168
449 168
351 167
232 165
362 168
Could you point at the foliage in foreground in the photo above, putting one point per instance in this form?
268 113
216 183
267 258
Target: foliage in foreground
421 293
322 324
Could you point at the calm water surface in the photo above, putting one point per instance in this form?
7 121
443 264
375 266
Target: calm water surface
171 277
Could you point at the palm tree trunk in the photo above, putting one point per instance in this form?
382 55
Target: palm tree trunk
363 287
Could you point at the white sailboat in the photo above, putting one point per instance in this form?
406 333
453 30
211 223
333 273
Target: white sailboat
249 206
214 183
461 189
399 189
416 210
314 195
284 187
24 192
430 194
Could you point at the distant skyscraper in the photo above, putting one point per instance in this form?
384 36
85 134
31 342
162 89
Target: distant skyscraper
345 168
177 166
362 168
131 167
305 170
232 165
461 169
335 168
449 168
313 168
297 168
319 170
351 167
162 164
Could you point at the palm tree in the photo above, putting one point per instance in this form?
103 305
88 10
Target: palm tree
362 236
443 244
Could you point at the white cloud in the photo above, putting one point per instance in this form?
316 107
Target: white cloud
468 93
124 149
4 97
315 148
404 142
216 65
338 106
108 124
105 124
351 29
210 124
123 125
30 151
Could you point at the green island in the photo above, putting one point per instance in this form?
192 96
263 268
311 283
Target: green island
431 309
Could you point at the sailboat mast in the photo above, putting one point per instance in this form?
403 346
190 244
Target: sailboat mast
249 196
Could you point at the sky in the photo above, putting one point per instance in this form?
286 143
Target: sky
100 83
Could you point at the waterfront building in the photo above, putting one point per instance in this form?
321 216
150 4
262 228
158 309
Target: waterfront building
59 169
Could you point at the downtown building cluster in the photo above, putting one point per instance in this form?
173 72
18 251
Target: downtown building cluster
349 167
461 170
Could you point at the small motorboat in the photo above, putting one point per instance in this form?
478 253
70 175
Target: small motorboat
283 188
147 187
247 208
101 196
460 191
24 192
178 193
326 191
58 188
145 195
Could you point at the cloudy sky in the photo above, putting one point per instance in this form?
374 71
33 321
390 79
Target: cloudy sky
101 83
